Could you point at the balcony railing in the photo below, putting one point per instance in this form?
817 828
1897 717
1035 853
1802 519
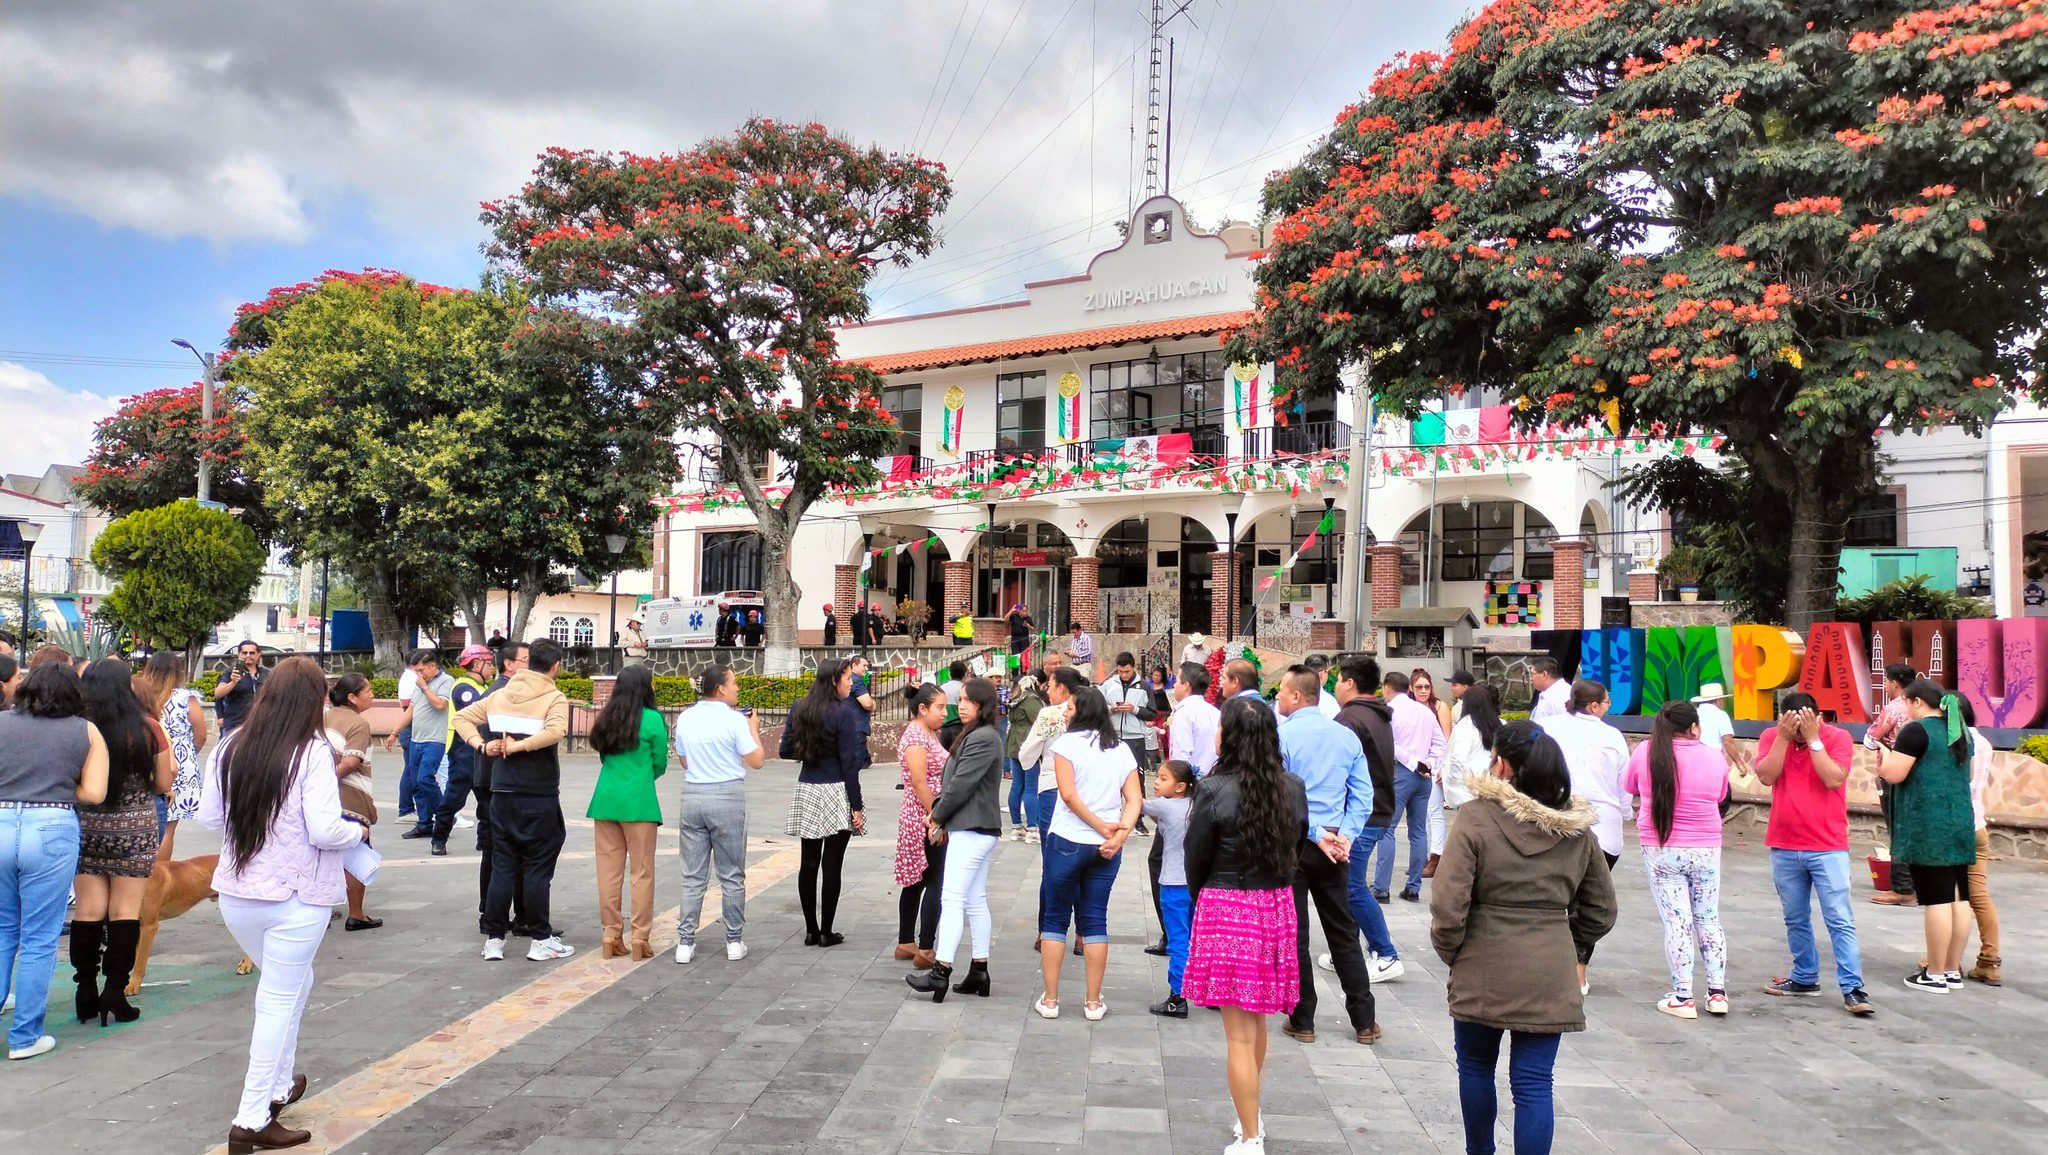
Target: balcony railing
53 575
1301 439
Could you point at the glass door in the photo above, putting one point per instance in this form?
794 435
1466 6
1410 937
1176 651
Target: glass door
1042 597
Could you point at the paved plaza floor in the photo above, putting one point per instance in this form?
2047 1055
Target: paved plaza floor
414 1044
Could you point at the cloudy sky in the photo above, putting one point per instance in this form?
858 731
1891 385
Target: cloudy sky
162 161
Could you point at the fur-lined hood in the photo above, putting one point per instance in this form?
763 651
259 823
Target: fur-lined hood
1536 827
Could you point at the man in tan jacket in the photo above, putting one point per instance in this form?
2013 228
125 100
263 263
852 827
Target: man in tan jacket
527 721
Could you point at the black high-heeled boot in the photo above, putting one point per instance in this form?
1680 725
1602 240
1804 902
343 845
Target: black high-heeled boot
976 982
87 938
122 937
932 982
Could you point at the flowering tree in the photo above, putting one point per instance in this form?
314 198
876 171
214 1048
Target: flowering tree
719 274
147 454
1796 224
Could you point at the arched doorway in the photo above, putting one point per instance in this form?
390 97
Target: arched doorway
1024 562
1197 577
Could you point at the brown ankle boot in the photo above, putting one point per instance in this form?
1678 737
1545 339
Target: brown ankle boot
641 950
613 947
1429 868
1986 972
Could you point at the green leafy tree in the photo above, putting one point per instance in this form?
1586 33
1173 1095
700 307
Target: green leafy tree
720 273
147 455
1795 224
179 571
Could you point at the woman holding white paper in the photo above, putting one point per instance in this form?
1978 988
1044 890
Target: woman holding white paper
272 791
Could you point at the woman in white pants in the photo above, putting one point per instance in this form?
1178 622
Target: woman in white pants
968 818
271 790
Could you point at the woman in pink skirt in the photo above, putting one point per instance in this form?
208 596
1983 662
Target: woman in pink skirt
1249 816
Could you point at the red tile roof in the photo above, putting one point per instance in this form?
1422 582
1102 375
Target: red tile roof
1055 342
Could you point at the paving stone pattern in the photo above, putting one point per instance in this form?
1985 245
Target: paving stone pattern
826 1051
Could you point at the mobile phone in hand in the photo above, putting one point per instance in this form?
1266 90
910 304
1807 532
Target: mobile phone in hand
746 711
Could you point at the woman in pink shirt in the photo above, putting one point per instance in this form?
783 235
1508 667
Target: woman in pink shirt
1683 783
272 792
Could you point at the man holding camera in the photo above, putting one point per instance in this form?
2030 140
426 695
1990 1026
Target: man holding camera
236 690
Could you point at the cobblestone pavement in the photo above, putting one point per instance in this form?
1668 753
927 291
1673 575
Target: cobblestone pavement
414 1044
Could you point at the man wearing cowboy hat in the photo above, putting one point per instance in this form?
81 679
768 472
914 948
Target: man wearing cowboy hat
1196 652
1717 729
635 648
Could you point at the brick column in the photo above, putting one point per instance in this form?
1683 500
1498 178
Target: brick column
1568 581
1084 595
845 591
1642 585
1326 635
959 592
1384 573
1225 620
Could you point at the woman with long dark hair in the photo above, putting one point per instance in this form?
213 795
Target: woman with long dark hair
1934 830
52 759
117 842
632 740
1682 783
1520 894
271 790
349 733
1097 775
826 810
968 818
179 709
920 859
1248 818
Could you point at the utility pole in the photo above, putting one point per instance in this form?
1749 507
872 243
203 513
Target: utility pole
1155 56
211 365
1357 499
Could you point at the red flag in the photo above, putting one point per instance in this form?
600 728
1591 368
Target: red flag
1495 423
1175 448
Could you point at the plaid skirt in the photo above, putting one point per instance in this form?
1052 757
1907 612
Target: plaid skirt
818 810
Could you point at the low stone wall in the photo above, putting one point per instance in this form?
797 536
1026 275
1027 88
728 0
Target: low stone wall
1646 614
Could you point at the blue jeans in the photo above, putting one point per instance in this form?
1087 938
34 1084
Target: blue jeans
1177 911
38 857
1047 799
1023 793
1076 885
418 785
1530 1060
1365 909
1411 798
1825 874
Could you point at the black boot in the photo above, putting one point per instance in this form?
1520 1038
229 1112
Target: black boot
86 941
122 937
976 982
1175 1007
932 982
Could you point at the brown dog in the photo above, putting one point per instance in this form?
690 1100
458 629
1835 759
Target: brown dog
174 888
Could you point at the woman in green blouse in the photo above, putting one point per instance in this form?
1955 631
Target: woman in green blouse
632 739
1934 828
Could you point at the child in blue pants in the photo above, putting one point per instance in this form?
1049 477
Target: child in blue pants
1169 810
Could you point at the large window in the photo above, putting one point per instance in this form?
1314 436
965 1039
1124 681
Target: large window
585 632
1180 393
1875 526
1497 540
907 403
730 561
1020 420
558 630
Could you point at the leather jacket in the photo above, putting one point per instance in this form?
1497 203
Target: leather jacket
1215 854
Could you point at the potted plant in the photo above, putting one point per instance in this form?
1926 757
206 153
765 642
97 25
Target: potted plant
1685 567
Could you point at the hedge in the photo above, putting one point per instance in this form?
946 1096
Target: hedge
757 691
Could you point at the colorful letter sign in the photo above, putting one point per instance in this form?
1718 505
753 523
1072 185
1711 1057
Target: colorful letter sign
1834 674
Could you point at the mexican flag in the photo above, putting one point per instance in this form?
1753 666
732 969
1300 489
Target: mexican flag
1166 448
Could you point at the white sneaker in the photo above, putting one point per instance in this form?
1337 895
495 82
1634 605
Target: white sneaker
1325 962
1031 836
1256 1145
548 949
464 822
1237 1128
735 951
1385 970
685 951
1093 1012
494 950
41 1046
1045 1009
7 1004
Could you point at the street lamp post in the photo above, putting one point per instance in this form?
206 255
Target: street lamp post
616 545
211 365
989 552
30 531
1233 505
867 581
1329 571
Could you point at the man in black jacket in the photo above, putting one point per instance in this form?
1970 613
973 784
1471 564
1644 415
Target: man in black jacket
1362 712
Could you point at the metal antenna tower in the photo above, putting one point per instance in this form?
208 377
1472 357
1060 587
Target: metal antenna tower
1155 58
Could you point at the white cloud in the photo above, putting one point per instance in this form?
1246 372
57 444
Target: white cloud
46 423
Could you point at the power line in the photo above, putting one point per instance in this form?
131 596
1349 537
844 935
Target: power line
1237 86
32 357
923 135
1021 77
979 80
1299 84
944 59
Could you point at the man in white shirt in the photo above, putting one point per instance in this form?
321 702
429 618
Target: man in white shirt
1196 728
1717 729
1196 652
718 745
1552 691
1327 701
1595 754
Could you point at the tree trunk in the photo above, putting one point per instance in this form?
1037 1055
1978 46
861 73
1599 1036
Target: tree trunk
525 592
779 591
378 583
476 605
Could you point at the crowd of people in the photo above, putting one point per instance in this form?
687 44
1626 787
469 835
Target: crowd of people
1259 809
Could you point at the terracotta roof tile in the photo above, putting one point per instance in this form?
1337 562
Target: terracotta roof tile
1055 342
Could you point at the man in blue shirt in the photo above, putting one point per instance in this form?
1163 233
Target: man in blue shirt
1330 761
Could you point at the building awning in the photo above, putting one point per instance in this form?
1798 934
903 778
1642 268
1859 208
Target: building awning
1056 342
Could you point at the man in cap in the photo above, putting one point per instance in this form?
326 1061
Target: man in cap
472 674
